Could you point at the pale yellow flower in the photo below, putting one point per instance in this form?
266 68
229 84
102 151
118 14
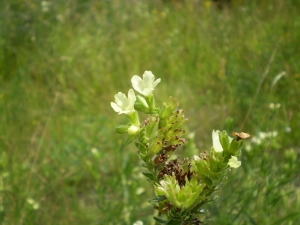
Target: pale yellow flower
234 163
146 85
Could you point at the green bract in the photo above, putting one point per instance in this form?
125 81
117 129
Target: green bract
181 197
141 104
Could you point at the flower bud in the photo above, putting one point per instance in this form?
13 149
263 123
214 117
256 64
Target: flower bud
133 130
122 129
225 140
167 110
141 104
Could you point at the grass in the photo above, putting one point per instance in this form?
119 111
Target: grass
61 64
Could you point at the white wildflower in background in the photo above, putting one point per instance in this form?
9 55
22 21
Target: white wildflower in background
233 162
256 140
288 129
139 222
273 134
146 85
196 157
140 190
191 135
262 136
35 205
248 147
95 152
60 18
45 6
274 106
122 104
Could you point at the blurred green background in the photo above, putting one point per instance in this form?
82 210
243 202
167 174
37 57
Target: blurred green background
233 65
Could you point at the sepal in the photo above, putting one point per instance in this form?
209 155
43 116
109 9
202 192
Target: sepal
122 129
141 104
129 139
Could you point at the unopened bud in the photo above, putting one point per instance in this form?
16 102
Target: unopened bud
122 129
141 104
133 130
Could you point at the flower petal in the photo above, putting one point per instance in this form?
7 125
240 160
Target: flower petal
120 99
147 91
131 96
233 162
216 141
148 79
137 83
155 83
115 107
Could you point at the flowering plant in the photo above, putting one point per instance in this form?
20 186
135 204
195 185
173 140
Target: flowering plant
182 187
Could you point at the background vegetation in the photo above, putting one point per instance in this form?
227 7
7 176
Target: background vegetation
61 62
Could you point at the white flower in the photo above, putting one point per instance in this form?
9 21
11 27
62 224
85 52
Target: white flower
145 86
196 158
274 106
263 135
273 133
256 140
139 222
139 190
35 205
216 141
288 129
233 162
133 130
248 147
95 152
122 104
45 6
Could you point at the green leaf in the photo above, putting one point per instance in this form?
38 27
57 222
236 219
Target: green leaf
159 220
197 209
129 139
206 221
141 147
173 222
286 218
149 175
158 199
251 220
